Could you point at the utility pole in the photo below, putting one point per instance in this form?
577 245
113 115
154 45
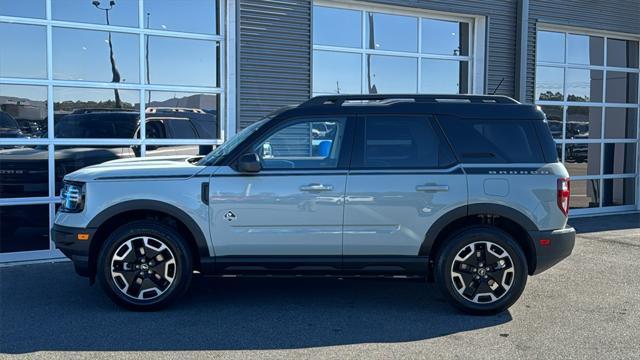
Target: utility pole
114 69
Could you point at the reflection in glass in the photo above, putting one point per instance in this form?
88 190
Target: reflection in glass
559 151
86 55
445 37
582 159
198 16
549 83
391 32
176 115
23 111
23 8
444 76
71 158
622 87
617 192
619 158
391 74
24 171
584 194
178 150
586 50
119 13
584 85
186 62
24 228
337 27
584 122
336 73
620 123
554 120
18 60
94 113
622 53
550 47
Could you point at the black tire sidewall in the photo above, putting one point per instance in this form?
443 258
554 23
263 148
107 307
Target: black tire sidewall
465 237
171 238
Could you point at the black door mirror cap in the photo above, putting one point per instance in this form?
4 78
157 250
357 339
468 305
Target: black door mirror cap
249 163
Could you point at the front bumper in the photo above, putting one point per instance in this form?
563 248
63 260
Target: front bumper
552 247
66 240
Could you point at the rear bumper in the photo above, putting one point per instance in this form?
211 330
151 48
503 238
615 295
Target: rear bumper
66 240
548 253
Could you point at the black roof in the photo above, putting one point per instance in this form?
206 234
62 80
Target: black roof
465 106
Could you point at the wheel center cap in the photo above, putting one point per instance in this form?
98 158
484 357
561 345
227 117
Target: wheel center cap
144 267
482 272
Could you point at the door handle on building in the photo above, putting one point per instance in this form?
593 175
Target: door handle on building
432 188
316 187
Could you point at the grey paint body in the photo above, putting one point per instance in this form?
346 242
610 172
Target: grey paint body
273 214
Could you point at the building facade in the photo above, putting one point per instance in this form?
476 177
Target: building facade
82 82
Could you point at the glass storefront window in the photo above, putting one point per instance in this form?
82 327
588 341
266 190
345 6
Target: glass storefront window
336 72
445 37
621 123
549 83
584 85
585 194
18 60
24 228
550 47
24 172
584 122
86 55
391 32
95 113
23 8
198 16
119 13
23 111
585 50
444 76
622 87
554 119
582 159
622 53
618 192
391 74
184 62
337 27
619 158
175 115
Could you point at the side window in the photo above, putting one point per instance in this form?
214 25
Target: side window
493 141
155 130
181 128
306 144
397 142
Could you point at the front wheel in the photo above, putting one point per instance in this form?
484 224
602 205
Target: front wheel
482 270
144 265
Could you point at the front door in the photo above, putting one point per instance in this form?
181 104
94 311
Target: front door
403 177
291 211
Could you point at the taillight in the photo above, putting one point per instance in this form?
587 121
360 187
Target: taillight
564 191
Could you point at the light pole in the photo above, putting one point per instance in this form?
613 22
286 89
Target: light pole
114 69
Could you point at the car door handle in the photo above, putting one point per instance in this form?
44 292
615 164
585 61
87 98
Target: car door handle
430 188
316 187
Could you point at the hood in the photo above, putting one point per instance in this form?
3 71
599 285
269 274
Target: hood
137 169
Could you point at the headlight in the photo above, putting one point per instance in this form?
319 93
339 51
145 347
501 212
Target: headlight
72 196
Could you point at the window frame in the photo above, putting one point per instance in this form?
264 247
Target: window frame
563 142
476 46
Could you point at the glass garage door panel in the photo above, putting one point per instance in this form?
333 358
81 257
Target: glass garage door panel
24 228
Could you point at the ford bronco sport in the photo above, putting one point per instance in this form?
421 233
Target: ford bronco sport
466 191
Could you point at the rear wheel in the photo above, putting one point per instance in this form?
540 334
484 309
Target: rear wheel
481 270
144 265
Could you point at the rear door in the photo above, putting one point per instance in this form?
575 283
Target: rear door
403 177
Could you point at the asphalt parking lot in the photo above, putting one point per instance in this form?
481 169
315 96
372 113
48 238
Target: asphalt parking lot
586 307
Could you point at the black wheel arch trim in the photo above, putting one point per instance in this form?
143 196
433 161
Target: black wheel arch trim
474 209
155 205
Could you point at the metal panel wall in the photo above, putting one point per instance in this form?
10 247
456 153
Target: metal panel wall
274 56
613 15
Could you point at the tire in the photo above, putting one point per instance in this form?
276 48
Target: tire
474 289
149 279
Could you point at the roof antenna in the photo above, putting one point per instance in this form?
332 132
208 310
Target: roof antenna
497 87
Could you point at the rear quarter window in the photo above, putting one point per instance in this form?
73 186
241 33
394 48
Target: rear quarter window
493 141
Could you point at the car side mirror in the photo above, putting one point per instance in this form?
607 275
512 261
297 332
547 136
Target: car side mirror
249 163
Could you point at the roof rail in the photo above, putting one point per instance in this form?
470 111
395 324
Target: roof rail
338 100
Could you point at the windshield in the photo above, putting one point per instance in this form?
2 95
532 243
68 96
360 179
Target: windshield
230 144
7 121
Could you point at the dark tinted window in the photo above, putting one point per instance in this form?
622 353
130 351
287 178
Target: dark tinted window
97 126
493 141
402 142
182 129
